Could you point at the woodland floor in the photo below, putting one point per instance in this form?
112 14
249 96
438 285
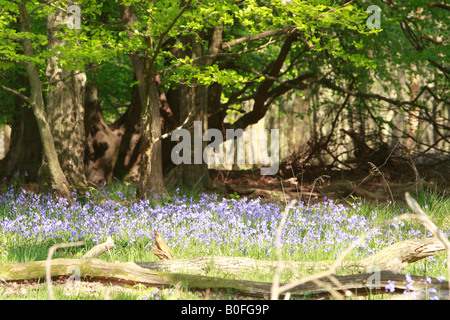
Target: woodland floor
310 185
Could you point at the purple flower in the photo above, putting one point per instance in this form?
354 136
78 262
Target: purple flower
409 286
408 278
390 286
433 294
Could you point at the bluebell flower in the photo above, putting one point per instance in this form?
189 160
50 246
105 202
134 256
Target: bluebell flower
409 286
408 278
390 286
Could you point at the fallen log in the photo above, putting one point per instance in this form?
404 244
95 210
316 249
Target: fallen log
130 274
395 258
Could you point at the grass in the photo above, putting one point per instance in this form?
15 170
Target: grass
193 225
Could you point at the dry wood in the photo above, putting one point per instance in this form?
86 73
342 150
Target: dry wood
162 251
394 257
99 249
130 273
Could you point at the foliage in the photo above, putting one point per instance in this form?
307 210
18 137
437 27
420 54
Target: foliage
101 38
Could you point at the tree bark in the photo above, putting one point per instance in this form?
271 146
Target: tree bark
261 104
127 130
394 258
193 100
101 142
388 262
25 152
151 177
57 177
150 173
65 107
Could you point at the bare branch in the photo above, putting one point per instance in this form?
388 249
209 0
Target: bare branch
16 93
186 123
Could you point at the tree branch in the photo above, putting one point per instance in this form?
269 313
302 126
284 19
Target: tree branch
163 35
260 107
16 93
439 5
259 36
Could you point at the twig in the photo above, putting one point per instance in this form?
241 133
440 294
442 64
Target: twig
162 251
284 192
314 183
165 32
333 279
329 288
376 170
300 198
16 93
185 124
416 173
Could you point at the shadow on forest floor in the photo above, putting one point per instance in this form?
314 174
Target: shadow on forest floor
312 184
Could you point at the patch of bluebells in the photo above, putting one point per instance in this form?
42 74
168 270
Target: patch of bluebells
221 226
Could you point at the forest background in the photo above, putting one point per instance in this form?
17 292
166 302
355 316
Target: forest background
93 95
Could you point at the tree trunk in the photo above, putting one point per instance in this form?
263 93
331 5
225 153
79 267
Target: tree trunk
394 257
25 152
412 128
131 274
65 107
101 142
57 177
127 130
193 101
151 177
194 175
